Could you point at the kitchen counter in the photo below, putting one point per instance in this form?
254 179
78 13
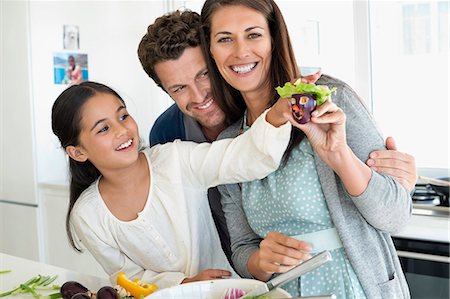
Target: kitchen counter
427 228
23 269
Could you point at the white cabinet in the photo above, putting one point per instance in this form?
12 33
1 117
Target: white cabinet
54 200
19 234
17 172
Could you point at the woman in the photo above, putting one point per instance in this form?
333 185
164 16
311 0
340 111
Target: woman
323 194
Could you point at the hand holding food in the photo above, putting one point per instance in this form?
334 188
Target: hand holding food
305 98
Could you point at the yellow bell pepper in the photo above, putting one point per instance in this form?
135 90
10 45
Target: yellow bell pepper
136 288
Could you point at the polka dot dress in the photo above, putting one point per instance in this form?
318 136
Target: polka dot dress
291 201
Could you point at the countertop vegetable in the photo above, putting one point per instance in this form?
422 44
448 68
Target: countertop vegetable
23 269
137 288
34 285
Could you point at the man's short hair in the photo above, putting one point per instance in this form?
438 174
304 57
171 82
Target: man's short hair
167 38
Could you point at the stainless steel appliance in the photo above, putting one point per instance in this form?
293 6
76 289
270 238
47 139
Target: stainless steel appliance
424 248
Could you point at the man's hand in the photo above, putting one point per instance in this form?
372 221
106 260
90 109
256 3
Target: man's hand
400 166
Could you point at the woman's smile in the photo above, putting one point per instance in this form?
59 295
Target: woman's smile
243 69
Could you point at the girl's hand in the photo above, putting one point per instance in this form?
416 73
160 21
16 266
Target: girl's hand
208 274
280 113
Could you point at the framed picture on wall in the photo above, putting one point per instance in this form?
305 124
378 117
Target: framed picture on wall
71 37
70 68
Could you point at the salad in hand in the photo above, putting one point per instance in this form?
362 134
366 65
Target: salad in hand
305 98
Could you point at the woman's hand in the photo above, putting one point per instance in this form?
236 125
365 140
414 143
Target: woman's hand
277 253
208 274
326 131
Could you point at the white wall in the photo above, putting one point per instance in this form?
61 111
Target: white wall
110 32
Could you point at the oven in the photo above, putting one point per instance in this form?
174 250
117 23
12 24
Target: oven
426 267
423 247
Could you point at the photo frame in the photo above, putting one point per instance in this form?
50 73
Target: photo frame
71 37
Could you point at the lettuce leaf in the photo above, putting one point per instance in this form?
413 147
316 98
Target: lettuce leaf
321 92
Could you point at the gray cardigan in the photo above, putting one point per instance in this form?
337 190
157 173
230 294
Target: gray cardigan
364 223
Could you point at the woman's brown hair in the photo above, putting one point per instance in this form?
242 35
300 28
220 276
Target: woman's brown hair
283 66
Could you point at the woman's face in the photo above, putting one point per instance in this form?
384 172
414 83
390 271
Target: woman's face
241 46
109 136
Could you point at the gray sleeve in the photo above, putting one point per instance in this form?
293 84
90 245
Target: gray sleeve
243 240
385 204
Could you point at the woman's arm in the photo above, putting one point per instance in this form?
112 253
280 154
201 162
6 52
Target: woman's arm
244 241
385 203
327 134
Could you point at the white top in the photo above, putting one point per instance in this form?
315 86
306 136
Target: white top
174 236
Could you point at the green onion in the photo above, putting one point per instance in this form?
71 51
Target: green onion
33 284
5 271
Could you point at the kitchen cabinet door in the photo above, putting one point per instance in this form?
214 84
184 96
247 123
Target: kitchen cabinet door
19 230
54 199
17 163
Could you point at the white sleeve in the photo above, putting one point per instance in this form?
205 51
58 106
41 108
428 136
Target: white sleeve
250 156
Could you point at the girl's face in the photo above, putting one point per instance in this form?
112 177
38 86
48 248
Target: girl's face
241 46
109 136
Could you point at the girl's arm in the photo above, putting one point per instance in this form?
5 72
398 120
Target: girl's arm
252 155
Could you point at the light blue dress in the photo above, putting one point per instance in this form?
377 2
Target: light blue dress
291 201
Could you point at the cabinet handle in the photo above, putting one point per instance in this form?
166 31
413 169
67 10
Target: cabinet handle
424 256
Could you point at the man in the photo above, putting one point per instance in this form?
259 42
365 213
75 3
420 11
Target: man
170 54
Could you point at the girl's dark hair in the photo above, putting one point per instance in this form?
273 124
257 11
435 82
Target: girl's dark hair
283 66
66 125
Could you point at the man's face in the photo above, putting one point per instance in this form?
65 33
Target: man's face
186 81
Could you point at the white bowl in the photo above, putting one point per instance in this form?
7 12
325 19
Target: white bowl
212 289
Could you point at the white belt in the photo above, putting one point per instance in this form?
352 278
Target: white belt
327 239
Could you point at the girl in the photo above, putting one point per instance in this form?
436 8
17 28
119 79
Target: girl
323 196
146 212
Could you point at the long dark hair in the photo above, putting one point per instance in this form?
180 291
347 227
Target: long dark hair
283 66
66 120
